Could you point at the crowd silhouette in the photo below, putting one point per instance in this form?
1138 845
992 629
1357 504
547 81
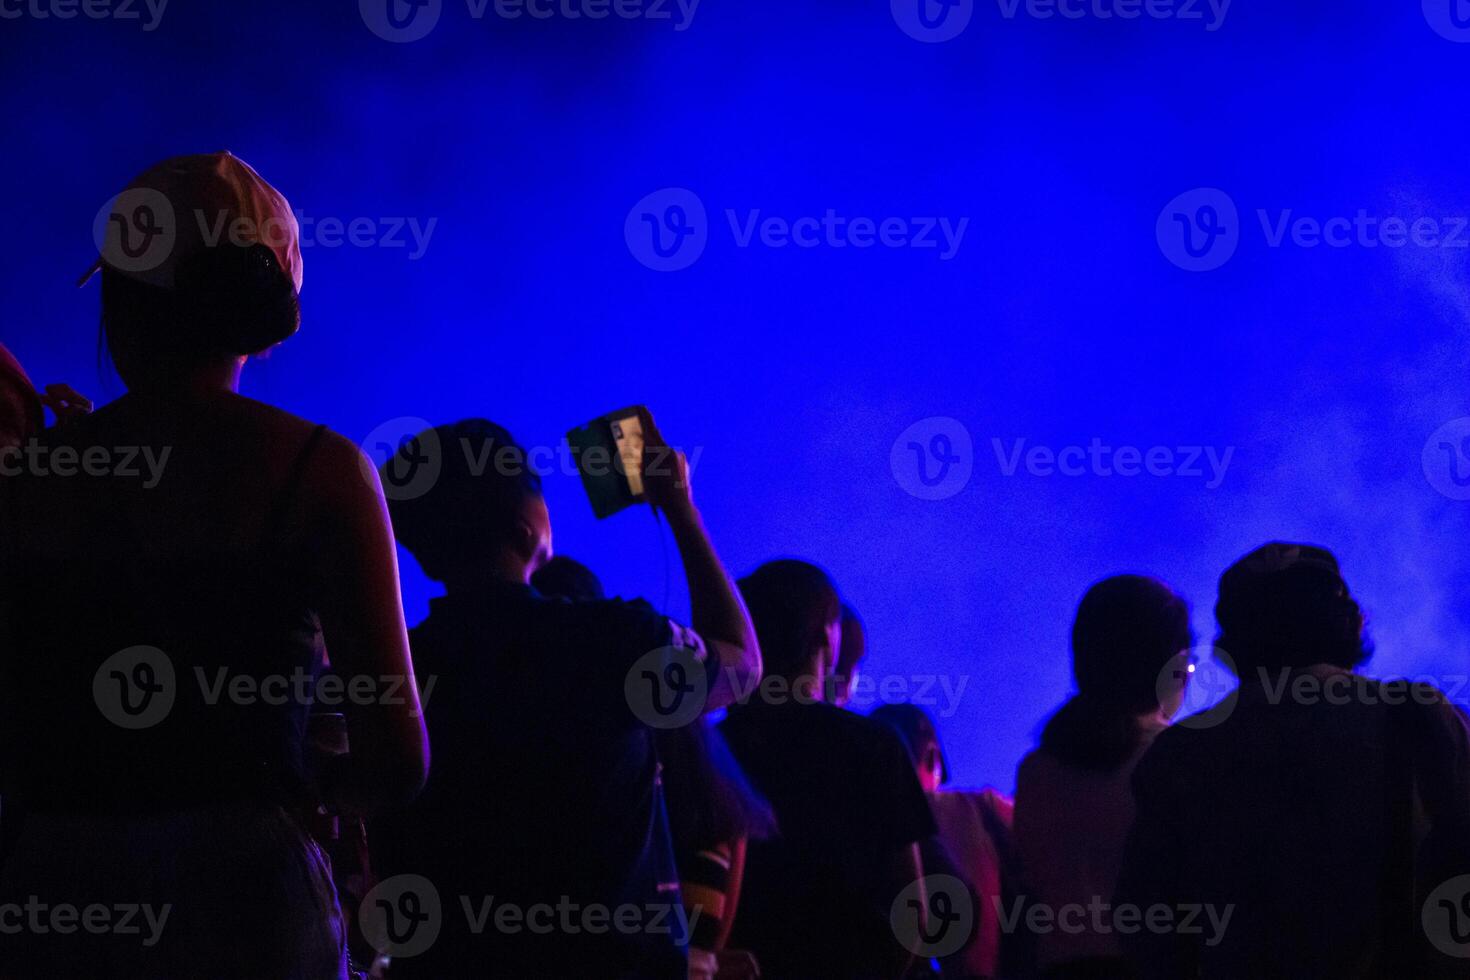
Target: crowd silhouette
216 726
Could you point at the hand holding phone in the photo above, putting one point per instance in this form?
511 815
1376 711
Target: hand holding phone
665 471
624 461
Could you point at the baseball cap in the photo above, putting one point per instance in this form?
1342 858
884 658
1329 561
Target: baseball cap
1252 581
181 206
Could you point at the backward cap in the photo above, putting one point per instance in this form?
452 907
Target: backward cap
186 203
1246 584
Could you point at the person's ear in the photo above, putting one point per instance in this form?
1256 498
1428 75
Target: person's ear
934 763
525 541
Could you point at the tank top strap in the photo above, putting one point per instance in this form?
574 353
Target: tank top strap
281 506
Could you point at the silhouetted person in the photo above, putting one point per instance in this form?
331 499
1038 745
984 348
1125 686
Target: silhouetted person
713 811
1314 813
849 807
974 841
546 789
1074 806
156 614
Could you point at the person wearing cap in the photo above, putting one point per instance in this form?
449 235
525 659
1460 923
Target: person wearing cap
152 637
1305 822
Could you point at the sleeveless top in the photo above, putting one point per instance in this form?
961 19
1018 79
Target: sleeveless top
138 680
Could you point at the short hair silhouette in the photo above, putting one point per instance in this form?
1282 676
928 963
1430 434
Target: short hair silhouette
230 299
791 602
1287 605
472 506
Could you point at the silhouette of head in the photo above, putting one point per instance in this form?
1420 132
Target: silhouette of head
225 283
797 615
483 518
1128 632
238 304
921 738
566 578
1287 605
1127 629
200 265
850 654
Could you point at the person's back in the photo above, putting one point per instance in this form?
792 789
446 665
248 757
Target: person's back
543 828
1277 823
1074 805
1306 818
1071 825
547 792
816 896
200 555
974 843
171 568
849 809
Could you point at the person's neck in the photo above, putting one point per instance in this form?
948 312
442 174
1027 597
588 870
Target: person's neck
199 381
492 574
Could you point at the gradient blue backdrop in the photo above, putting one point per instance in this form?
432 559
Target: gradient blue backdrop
794 370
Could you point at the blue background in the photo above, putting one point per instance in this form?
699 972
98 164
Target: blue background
793 370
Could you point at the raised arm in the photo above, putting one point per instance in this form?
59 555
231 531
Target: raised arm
718 614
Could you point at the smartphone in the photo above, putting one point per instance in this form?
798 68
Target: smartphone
609 455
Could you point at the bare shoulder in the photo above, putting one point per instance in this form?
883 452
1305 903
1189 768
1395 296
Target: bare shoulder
337 468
